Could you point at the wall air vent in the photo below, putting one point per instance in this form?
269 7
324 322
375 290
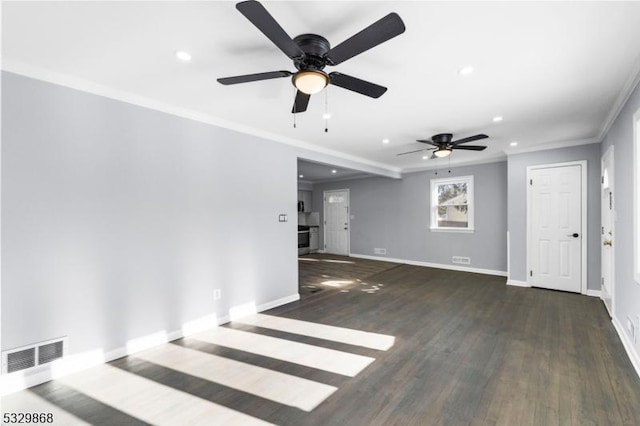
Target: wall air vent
49 352
24 357
19 360
461 259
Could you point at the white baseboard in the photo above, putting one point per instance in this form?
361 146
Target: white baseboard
278 302
74 363
517 283
594 293
632 353
431 265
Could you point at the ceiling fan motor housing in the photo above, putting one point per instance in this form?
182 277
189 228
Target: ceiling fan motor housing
314 48
442 138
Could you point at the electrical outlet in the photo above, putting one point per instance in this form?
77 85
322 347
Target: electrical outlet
635 340
380 251
631 328
217 294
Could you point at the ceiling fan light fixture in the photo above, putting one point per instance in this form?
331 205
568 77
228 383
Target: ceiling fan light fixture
310 82
442 152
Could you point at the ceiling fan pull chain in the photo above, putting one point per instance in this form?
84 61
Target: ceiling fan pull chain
326 110
295 91
449 164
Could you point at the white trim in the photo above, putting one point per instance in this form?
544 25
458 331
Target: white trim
636 196
621 100
594 293
20 68
73 363
278 302
633 355
517 283
609 152
584 206
508 254
324 219
431 265
458 230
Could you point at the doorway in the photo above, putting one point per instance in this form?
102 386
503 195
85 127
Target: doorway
336 222
556 231
607 217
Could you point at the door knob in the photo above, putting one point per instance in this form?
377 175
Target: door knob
574 235
607 243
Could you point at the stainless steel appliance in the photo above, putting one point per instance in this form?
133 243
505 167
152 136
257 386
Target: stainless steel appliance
303 240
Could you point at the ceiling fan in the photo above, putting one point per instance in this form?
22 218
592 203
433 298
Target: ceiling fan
444 145
311 53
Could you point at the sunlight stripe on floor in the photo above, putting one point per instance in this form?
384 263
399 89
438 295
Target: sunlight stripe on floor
295 352
152 402
350 336
28 402
279 387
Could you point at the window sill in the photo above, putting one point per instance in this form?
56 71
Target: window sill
454 230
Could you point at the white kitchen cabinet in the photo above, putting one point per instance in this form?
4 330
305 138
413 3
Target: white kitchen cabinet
313 239
305 197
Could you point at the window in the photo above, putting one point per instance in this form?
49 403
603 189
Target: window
452 204
636 196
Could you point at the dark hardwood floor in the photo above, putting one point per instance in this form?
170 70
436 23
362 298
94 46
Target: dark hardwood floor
469 350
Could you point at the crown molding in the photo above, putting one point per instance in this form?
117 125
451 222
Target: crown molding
621 100
313 151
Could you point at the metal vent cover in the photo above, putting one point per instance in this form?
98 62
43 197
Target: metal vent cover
50 352
19 360
33 355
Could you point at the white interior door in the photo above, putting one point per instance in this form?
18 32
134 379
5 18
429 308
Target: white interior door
606 231
336 222
555 215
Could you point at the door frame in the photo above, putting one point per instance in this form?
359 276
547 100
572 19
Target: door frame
610 152
324 218
583 219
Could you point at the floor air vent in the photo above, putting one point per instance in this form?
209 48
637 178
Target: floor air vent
33 355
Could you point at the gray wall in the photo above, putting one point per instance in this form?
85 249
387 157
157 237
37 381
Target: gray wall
394 214
119 221
627 291
517 165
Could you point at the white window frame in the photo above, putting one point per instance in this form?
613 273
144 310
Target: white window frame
470 204
636 197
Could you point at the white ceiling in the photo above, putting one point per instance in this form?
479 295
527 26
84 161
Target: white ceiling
556 71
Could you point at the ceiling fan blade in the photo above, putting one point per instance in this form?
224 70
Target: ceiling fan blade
300 103
356 85
254 77
471 147
258 15
376 33
411 152
429 142
470 139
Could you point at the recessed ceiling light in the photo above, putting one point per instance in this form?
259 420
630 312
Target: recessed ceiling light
334 171
326 115
497 119
183 56
385 141
301 176
514 143
465 70
424 157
